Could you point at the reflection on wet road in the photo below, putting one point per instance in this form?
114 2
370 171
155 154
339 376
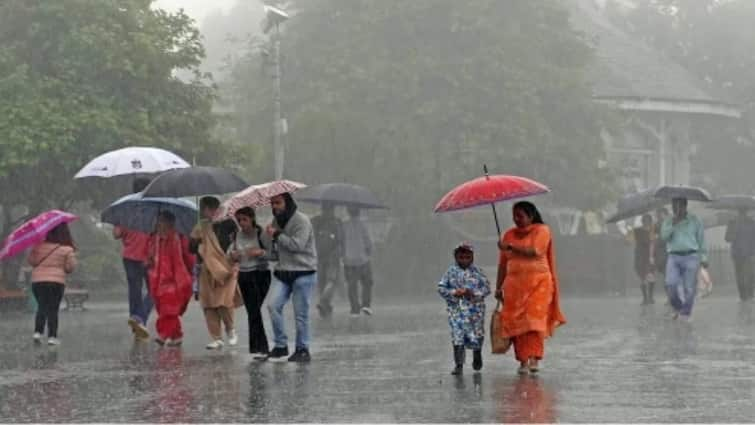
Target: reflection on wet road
613 362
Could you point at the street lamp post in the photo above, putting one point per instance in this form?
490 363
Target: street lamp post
273 18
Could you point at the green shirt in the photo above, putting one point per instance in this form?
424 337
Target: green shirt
686 235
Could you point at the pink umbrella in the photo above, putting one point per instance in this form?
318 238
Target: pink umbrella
33 232
256 196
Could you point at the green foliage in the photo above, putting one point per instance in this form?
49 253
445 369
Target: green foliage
80 77
412 98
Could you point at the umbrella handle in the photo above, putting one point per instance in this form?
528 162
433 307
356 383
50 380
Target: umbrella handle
495 214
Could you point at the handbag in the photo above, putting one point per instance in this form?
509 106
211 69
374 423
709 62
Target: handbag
499 343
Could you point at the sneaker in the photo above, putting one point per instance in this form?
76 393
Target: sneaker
523 369
354 315
215 345
233 339
138 329
278 354
160 341
53 341
367 311
259 355
37 337
684 318
300 356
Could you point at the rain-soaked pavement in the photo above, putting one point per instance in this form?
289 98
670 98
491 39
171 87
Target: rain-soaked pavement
614 362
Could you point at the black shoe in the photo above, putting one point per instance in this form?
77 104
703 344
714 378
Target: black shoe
278 354
300 356
458 370
477 359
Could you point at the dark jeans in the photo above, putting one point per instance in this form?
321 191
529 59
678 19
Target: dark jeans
744 269
48 295
139 303
355 276
254 286
329 279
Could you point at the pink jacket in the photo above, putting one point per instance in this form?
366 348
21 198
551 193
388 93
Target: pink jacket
52 262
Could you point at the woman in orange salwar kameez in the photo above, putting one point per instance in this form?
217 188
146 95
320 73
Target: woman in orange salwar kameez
170 266
527 276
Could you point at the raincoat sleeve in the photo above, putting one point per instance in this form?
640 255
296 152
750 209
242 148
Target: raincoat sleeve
71 262
445 287
482 286
297 238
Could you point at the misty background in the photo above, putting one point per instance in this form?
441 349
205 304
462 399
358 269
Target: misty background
408 98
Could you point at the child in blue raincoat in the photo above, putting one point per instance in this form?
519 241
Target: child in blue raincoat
464 287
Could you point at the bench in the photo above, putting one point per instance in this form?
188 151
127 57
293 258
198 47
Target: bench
75 298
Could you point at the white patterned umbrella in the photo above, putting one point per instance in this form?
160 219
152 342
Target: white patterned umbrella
133 160
256 196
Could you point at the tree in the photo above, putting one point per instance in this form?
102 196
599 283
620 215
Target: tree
81 77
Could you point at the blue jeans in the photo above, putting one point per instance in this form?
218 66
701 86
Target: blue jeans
681 281
301 293
139 303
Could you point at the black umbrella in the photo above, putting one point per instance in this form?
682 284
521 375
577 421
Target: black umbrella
636 204
341 194
194 181
733 202
686 192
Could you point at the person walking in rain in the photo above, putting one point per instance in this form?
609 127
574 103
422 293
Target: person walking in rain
527 277
740 233
644 245
356 262
170 264
218 286
329 242
685 242
249 252
51 261
134 261
293 239
464 287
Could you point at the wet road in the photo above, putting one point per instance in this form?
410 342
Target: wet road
614 362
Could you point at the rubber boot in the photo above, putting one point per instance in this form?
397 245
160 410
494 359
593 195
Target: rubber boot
477 359
651 288
644 294
458 359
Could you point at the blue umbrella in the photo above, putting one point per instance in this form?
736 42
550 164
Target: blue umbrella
139 213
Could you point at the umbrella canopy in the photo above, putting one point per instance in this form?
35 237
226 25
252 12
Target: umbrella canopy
488 190
256 196
342 194
687 192
194 181
134 160
733 202
636 204
33 232
139 213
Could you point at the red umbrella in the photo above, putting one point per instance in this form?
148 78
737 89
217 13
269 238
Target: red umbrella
489 190
33 232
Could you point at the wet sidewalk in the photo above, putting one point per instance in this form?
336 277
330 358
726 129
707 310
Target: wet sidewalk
613 362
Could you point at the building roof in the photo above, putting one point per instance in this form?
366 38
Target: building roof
628 69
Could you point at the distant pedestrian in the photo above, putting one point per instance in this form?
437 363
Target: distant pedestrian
328 230
218 286
740 233
293 240
134 259
357 267
528 281
170 264
51 261
644 245
249 252
464 287
685 238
